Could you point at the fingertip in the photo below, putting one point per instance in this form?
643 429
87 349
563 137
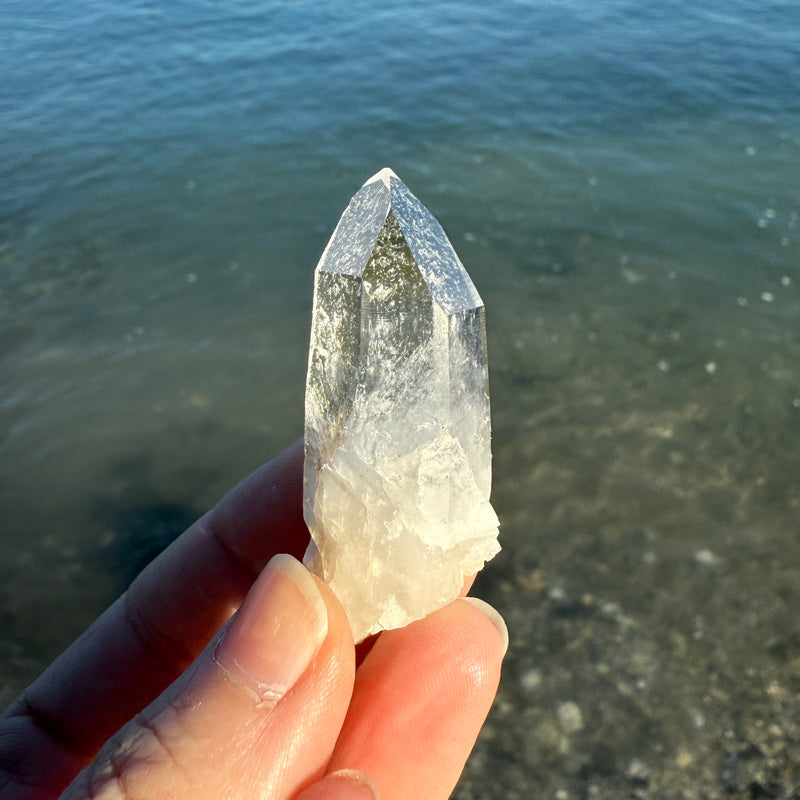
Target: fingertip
420 699
494 616
344 784
358 784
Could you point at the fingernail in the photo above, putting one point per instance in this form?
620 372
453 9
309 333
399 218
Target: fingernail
494 617
359 783
277 632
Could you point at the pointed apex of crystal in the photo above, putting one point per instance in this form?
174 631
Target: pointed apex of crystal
385 200
397 438
384 175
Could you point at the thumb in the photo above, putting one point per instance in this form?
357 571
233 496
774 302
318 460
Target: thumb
256 715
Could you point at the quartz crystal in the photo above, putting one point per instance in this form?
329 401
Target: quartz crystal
397 432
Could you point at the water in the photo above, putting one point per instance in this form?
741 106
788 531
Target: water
621 181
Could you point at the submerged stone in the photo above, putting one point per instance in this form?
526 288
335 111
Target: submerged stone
397 431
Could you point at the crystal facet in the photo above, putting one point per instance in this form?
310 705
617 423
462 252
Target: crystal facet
397 433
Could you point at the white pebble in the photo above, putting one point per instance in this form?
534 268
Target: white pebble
767 297
706 558
570 717
556 593
631 275
531 680
191 277
637 770
786 280
750 150
711 367
663 365
742 301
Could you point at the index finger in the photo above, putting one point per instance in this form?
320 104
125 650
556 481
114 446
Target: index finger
139 645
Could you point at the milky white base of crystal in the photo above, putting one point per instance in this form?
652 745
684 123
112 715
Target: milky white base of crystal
429 532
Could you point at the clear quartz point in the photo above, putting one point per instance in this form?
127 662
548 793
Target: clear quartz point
397 430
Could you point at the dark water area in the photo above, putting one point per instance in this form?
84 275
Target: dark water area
621 181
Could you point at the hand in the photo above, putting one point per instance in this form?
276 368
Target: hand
261 702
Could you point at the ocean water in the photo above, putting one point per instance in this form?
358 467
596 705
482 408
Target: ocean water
621 180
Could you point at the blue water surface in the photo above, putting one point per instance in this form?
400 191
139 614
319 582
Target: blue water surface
621 180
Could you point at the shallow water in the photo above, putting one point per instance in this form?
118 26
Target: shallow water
621 183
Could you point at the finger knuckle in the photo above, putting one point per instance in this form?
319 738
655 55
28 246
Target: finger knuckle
137 764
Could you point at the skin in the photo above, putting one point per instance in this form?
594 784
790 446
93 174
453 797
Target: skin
228 670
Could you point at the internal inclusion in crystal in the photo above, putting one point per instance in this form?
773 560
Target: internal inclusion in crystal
398 462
